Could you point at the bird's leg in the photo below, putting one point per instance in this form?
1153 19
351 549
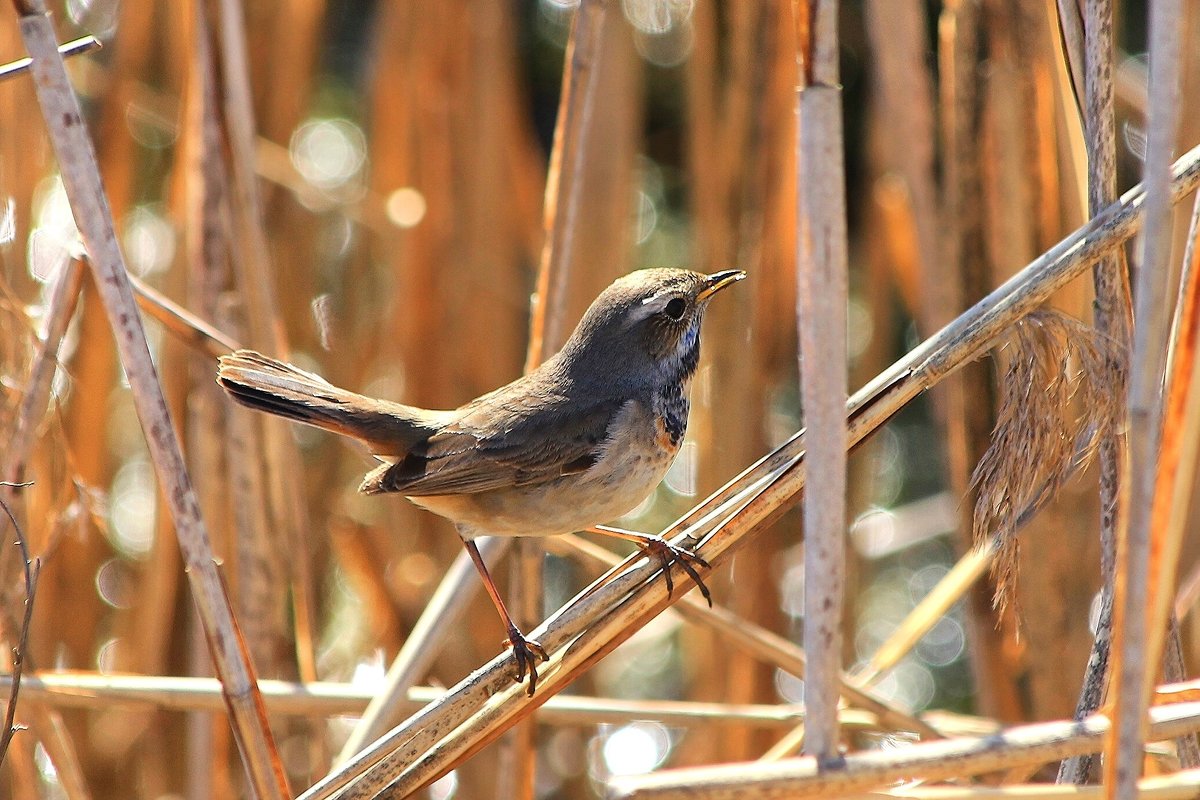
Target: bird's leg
655 546
527 652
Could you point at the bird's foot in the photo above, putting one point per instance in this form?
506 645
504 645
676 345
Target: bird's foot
527 654
668 554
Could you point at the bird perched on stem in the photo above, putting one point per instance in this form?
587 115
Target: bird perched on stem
582 439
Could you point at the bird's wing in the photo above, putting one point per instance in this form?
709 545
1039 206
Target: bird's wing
500 443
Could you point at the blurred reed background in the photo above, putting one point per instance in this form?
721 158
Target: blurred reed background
361 189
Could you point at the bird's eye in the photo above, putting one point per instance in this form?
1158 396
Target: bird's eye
675 308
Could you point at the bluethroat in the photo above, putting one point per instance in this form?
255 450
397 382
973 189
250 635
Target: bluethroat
582 439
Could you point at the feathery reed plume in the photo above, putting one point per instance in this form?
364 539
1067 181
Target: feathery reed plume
1055 405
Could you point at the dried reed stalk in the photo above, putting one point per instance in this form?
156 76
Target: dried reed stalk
1177 786
429 634
948 591
821 316
198 334
104 690
1112 318
253 261
573 133
739 84
803 777
963 403
75 47
59 309
905 94
81 179
1177 466
1072 30
751 638
1140 646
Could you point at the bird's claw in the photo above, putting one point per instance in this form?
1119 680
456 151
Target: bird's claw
527 654
668 554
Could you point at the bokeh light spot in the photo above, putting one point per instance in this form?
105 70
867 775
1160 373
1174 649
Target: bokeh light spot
149 241
636 749
8 221
54 238
132 510
328 153
406 207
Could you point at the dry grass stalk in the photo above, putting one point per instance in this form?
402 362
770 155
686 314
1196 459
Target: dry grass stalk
1176 467
81 179
962 404
764 645
428 635
1178 786
75 47
55 738
1072 28
948 591
802 777
102 690
250 254
821 315
1139 647
181 323
561 209
1110 280
1055 365
898 35
59 310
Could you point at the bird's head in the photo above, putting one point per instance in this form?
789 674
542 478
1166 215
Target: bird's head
646 325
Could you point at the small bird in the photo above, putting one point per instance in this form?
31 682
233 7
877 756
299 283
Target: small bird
582 439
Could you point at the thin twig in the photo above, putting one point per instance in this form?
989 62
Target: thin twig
75 47
32 568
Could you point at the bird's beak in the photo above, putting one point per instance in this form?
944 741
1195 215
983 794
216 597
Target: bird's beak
718 281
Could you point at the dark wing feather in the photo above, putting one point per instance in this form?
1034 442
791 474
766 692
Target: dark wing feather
501 443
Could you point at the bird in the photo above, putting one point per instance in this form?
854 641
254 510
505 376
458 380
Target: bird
581 439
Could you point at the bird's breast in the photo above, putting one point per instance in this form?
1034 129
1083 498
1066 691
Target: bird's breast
670 410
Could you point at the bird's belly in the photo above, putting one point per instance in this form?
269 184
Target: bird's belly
632 466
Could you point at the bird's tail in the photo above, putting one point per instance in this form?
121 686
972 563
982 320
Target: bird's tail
266 384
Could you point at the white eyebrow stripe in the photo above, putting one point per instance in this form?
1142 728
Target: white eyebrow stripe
648 306
662 298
